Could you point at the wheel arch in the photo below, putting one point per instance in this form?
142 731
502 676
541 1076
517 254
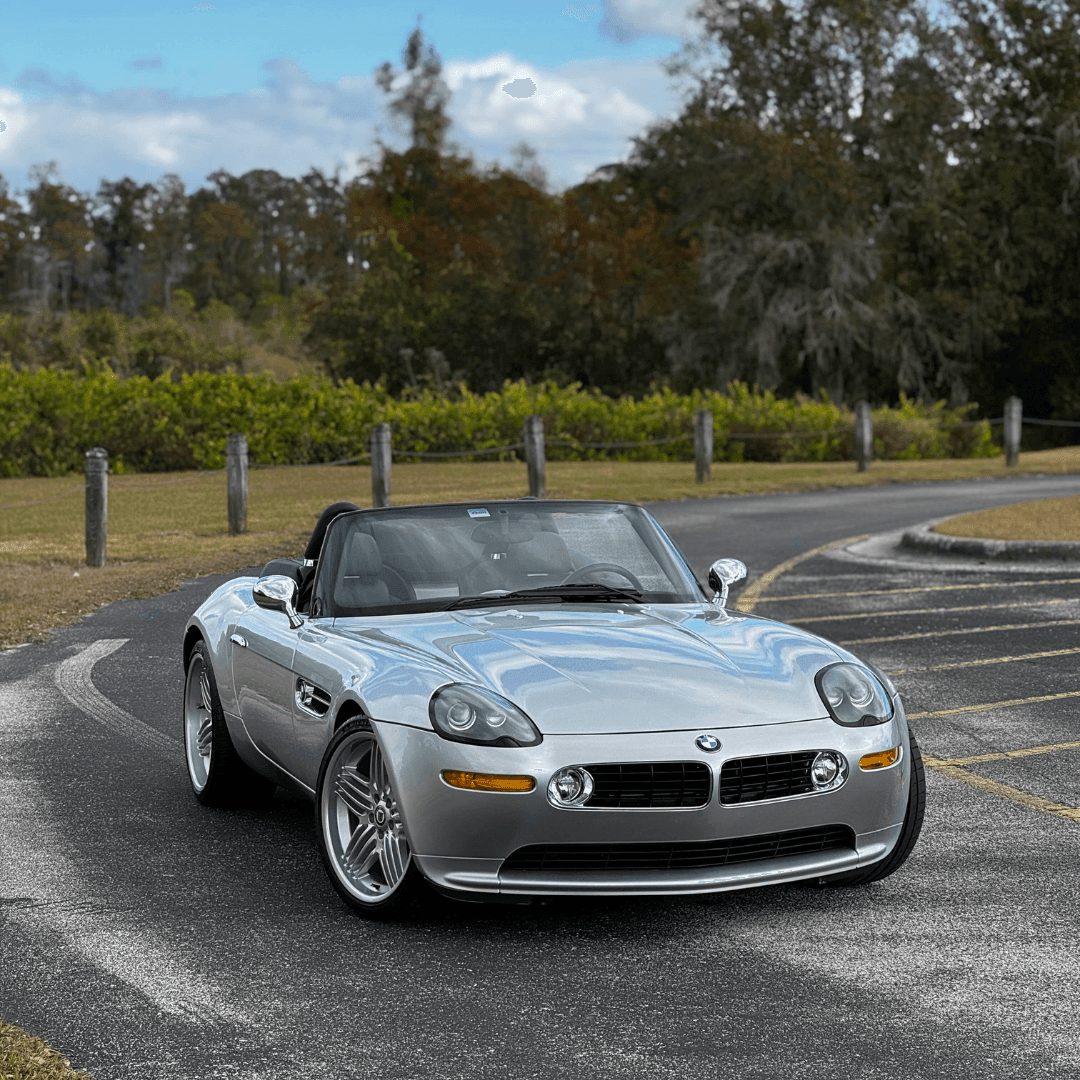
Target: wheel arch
192 636
350 709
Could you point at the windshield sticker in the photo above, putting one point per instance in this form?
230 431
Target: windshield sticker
478 513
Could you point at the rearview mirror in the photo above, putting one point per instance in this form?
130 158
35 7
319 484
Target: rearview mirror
278 593
722 574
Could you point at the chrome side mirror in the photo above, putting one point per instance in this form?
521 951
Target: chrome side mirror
722 574
278 593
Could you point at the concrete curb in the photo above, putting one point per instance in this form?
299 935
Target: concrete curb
923 538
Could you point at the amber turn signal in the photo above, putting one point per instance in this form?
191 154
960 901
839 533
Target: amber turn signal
880 761
475 781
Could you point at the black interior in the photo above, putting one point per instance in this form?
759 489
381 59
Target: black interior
300 570
420 560
314 545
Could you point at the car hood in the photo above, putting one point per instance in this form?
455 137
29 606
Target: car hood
588 670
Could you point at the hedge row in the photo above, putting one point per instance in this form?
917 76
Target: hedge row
48 419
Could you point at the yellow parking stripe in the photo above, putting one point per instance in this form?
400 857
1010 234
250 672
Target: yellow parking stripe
1005 755
931 610
919 588
992 787
752 594
964 630
981 663
994 705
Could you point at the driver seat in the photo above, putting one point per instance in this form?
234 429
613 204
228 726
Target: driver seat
524 562
544 560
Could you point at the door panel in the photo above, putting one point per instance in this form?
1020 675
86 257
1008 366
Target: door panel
262 675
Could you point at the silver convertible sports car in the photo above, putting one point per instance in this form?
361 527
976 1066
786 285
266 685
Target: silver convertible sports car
512 700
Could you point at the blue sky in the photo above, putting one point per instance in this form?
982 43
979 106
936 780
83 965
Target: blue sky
139 89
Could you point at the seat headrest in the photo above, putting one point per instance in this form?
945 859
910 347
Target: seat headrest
314 544
362 556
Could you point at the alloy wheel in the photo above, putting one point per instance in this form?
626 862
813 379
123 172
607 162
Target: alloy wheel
198 722
361 821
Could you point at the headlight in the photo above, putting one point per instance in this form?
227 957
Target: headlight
884 679
470 714
853 696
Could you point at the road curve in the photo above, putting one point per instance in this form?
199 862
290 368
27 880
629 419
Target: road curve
147 937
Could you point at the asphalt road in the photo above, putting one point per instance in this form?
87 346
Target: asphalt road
146 936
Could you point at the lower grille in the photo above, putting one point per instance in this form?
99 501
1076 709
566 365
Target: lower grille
775 776
695 855
657 785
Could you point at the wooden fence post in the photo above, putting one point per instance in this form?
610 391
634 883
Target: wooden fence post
381 458
864 435
1014 419
97 505
703 445
236 467
534 454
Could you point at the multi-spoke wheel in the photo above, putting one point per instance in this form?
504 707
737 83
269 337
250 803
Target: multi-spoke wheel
360 828
198 721
218 776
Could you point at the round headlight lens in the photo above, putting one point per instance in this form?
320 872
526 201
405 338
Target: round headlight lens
853 695
461 716
472 714
570 786
828 770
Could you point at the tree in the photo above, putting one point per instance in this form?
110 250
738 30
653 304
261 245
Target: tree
13 228
120 228
418 94
167 234
61 240
1019 177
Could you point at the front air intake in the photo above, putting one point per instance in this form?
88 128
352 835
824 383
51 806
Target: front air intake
686 855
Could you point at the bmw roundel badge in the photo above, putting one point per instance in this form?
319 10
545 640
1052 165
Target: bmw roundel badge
709 743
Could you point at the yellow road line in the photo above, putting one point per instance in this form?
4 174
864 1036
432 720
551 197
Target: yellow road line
992 787
1005 755
981 663
930 611
919 588
752 594
994 705
964 630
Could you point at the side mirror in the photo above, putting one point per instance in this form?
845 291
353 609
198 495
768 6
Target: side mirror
722 574
278 593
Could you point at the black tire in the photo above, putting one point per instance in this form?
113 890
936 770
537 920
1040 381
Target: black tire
361 835
909 834
217 775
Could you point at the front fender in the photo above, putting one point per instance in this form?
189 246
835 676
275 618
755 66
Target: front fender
213 621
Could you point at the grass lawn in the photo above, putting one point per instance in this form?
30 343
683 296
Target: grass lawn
24 1057
167 527
1043 519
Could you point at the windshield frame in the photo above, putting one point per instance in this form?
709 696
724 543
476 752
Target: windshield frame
652 535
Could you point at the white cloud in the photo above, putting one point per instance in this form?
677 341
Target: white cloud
580 116
627 19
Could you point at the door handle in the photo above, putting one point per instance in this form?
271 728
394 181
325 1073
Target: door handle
239 640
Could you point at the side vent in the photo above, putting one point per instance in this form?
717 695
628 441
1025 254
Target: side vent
311 698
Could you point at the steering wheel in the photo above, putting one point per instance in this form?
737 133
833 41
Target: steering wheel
610 567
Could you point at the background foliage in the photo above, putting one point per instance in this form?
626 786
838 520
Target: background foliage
165 424
861 198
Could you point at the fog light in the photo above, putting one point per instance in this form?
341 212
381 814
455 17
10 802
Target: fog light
487 781
570 786
880 761
828 771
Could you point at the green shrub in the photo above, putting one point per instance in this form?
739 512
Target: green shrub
51 417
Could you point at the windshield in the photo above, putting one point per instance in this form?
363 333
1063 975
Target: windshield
426 558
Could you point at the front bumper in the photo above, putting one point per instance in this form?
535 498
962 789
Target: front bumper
460 839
